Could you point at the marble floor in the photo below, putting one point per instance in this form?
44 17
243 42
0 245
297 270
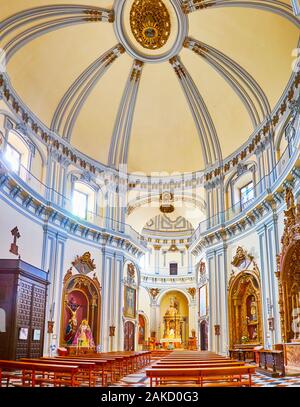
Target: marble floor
139 379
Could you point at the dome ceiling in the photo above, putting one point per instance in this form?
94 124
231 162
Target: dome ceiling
160 91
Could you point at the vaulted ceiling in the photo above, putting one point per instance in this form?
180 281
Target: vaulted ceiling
148 123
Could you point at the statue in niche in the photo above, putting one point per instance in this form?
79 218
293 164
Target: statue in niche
173 321
72 324
252 317
84 336
173 307
253 309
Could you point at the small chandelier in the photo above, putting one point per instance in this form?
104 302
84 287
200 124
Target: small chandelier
173 247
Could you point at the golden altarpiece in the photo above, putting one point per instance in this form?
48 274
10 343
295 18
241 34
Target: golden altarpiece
173 324
288 274
244 301
81 307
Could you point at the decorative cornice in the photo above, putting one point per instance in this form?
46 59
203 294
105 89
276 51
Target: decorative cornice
42 210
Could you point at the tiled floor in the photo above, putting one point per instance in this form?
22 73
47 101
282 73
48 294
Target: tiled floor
139 379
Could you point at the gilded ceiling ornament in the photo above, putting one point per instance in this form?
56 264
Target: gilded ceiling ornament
150 23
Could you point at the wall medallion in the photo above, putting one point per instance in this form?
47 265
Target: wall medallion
150 23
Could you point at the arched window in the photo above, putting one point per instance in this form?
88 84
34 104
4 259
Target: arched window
17 154
83 201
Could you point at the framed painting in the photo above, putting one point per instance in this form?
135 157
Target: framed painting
129 302
23 334
203 301
36 334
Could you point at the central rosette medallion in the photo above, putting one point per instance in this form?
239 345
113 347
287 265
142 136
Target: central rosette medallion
150 23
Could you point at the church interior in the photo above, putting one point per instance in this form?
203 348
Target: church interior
149 193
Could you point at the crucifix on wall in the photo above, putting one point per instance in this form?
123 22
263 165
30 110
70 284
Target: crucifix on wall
14 249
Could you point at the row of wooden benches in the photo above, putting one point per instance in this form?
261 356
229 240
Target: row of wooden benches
200 369
89 369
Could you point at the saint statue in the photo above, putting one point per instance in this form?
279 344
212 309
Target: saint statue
84 336
253 309
171 333
72 324
173 307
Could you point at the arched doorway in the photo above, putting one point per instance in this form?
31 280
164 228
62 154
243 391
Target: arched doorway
245 319
81 309
129 335
174 320
204 335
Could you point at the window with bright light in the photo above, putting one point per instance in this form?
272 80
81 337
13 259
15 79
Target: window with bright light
80 204
246 194
13 157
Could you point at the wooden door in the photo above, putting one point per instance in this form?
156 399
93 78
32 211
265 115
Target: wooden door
204 335
129 332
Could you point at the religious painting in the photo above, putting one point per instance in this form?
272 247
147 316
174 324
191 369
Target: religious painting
23 334
36 334
76 310
129 302
203 301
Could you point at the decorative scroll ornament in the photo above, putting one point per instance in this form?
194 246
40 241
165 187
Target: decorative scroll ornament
202 267
166 200
241 259
150 23
130 273
84 264
154 292
192 291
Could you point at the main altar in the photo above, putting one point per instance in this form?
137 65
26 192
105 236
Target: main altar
173 326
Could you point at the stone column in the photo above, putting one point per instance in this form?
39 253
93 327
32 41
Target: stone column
106 312
265 282
156 258
221 260
53 261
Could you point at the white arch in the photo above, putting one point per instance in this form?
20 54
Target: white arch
170 289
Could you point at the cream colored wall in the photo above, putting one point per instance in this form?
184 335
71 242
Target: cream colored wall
31 240
144 306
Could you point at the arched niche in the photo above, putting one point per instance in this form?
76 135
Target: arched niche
81 301
174 318
288 272
245 312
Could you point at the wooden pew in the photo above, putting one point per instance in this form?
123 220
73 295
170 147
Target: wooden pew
195 365
103 367
33 374
202 374
86 370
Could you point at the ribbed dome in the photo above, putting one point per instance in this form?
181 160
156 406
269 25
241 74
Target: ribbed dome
179 107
